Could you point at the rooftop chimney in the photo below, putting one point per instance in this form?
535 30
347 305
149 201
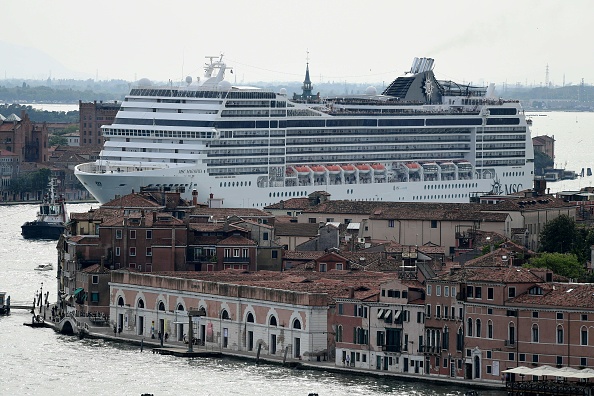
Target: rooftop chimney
194 197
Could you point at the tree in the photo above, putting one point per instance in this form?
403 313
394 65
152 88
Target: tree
558 235
561 264
541 162
57 140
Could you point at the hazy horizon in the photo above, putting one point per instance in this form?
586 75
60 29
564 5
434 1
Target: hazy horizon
270 41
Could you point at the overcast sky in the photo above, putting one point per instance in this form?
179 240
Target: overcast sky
353 41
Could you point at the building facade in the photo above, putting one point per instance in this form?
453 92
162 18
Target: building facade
93 115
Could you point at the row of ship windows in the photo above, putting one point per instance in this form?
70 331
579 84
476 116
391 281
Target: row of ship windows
158 133
505 174
480 163
235 184
444 196
287 194
444 186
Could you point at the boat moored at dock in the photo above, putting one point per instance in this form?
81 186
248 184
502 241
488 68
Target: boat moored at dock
4 303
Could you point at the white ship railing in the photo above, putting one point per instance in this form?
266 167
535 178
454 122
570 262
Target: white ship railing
92 167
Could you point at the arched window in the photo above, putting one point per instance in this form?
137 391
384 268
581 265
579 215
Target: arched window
272 321
478 328
296 324
180 307
121 301
560 337
511 334
224 314
469 328
161 306
489 329
446 338
339 333
584 336
459 339
140 303
250 318
535 333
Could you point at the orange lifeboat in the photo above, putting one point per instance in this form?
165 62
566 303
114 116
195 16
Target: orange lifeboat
348 169
378 168
363 168
333 169
413 166
302 170
318 169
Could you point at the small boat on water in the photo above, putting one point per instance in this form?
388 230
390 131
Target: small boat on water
51 218
44 267
4 303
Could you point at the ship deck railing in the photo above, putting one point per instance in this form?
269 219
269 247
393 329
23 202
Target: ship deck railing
114 168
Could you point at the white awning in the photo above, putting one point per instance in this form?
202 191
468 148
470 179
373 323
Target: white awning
380 313
548 371
389 315
397 315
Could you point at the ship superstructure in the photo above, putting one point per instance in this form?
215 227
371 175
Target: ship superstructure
422 139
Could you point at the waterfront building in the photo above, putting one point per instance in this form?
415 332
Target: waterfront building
93 115
270 312
379 330
9 169
471 326
545 144
27 139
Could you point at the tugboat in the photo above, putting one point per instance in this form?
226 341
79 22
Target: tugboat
51 218
4 304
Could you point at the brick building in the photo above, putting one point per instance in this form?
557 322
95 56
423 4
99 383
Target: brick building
25 138
92 116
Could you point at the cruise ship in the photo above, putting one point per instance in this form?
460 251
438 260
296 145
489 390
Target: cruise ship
420 140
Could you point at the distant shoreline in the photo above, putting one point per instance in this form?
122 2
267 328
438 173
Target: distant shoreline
12 203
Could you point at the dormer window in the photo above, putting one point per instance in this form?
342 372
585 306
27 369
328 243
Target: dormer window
535 290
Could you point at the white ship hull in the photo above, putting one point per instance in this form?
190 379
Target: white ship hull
241 192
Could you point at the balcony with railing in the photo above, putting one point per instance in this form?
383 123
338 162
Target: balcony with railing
430 349
391 348
236 259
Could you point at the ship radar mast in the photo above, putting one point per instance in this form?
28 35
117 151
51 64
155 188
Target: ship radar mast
214 70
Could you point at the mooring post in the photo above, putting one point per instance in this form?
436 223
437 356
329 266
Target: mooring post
285 356
258 354
141 345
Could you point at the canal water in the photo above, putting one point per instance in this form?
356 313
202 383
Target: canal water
42 362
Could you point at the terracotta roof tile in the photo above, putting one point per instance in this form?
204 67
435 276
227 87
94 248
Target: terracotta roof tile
236 240
296 229
292 203
566 295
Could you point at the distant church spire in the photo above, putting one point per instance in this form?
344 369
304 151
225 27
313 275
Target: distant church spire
306 87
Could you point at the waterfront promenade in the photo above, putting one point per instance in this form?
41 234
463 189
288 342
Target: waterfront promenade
179 348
